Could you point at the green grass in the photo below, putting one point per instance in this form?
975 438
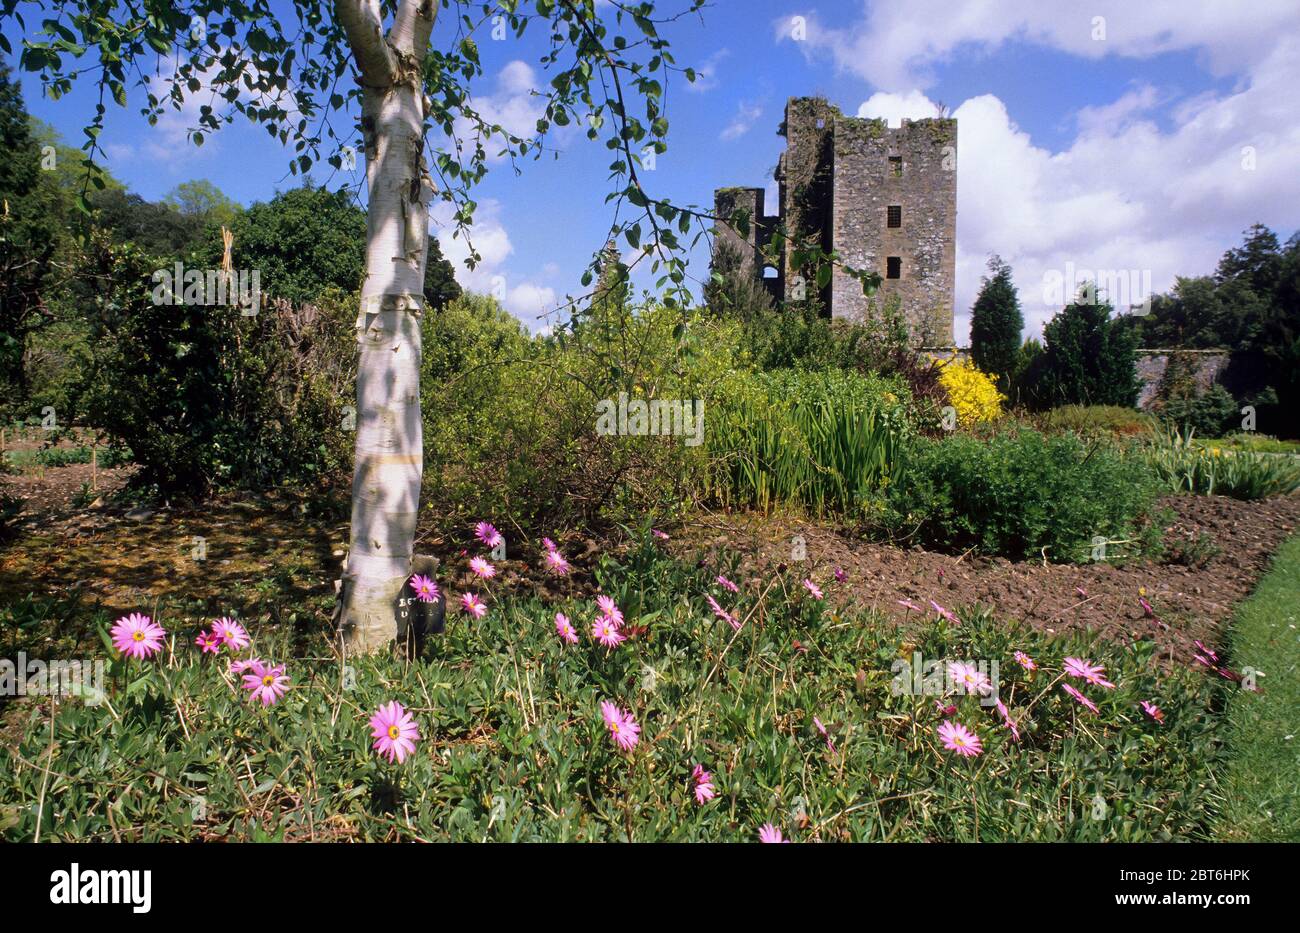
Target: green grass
514 747
1260 787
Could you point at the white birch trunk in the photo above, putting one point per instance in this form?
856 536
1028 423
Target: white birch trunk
389 443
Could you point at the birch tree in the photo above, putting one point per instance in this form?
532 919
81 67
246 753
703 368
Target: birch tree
347 76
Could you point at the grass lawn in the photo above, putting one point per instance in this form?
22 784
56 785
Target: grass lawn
1261 786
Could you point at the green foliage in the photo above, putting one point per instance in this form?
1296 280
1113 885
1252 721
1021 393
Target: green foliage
1088 358
204 200
1260 801
1087 420
205 396
513 747
1020 495
798 337
511 420
1251 306
1211 414
1183 466
995 326
828 440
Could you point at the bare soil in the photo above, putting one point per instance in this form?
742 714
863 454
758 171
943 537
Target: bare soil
1225 544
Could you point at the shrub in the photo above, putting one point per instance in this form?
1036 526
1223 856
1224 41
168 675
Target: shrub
1019 494
825 440
1088 358
206 397
972 393
511 420
1096 419
1210 414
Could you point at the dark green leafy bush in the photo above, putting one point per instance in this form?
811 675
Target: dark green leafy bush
1019 494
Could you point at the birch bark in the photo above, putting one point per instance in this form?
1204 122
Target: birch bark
389 441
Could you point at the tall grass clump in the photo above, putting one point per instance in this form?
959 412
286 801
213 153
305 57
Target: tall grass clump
1184 467
828 441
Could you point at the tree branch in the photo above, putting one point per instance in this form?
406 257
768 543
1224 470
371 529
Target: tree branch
363 25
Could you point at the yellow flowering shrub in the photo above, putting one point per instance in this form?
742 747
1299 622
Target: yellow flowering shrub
971 392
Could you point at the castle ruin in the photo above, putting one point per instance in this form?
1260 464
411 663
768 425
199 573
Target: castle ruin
883 199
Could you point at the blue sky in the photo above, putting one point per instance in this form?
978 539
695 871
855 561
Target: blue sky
1114 145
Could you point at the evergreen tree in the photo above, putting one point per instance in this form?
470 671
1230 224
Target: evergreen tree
996 323
1089 356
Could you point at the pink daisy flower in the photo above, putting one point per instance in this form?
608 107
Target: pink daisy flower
814 589
704 790
137 636
1008 721
605 630
840 575
969 678
394 731
1025 661
564 628
486 533
210 642
957 738
622 727
945 613
238 667
770 834
426 591
556 564
908 604
727 584
723 614
230 633
1079 697
659 534
609 609
548 544
482 568
1155 712
266 684
1086 670
830 743
948 710
473 605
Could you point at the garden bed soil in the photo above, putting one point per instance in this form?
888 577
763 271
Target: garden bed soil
1193 600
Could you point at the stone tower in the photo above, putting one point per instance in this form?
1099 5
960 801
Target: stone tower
884 199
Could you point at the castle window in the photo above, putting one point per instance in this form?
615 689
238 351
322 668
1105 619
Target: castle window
821 124
894 215
896 165
893 267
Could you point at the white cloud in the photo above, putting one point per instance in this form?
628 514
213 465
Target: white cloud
706 73
513 106
895 45
747 115
1125 194
524 299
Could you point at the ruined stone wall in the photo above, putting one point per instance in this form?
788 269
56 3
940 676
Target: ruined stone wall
836 184
865 186
1208 367
726 201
